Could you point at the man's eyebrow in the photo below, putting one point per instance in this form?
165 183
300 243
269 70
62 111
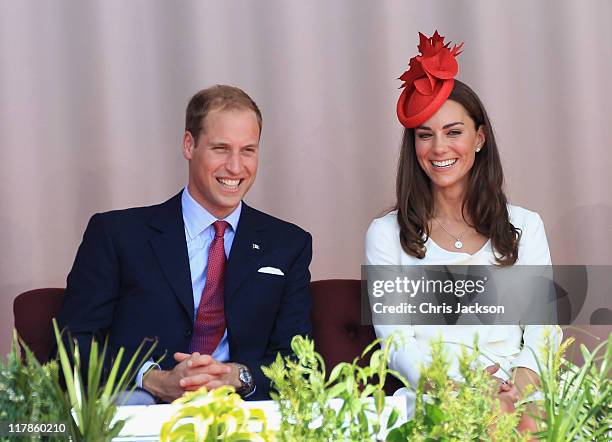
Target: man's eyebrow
446 126
224 144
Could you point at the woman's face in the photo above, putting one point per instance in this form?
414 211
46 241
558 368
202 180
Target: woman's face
446 146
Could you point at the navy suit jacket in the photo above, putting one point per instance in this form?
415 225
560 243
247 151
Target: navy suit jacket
131 280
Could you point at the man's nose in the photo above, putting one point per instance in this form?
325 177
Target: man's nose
234 163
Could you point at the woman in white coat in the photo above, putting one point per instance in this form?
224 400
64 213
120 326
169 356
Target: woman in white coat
451 209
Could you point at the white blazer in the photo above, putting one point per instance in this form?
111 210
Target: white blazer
508 345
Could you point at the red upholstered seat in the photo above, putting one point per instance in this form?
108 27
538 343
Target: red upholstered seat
336 320
336 323
33 311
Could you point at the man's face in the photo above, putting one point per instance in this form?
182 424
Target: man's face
223 165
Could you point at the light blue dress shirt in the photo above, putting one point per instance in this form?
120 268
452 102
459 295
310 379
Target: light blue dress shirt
199 233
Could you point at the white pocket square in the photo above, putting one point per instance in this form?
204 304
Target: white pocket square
271 271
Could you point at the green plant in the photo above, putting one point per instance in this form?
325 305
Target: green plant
217 415
94 404
29 391
446 410
577 399
305 395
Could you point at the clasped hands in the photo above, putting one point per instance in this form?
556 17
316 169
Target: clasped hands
191 372
508 395
506 391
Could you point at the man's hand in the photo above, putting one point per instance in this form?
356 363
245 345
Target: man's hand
165 384
192 372
204 371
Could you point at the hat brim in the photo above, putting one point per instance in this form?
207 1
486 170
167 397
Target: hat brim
426 111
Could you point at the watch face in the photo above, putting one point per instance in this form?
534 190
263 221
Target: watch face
245 376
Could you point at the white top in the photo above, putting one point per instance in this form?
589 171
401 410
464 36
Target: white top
508 345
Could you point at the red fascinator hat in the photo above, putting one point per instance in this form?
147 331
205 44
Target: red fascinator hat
428 81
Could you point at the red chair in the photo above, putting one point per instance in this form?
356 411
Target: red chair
33 311
336 320
337 331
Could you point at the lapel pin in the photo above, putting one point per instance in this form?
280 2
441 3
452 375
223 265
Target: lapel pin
255 246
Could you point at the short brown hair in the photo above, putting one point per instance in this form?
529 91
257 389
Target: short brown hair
220 96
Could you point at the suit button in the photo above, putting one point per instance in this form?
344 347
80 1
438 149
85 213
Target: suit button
188 333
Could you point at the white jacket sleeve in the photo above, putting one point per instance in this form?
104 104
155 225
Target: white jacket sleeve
382 247
534 251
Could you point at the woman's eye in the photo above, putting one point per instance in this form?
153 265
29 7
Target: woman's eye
423 136
454 133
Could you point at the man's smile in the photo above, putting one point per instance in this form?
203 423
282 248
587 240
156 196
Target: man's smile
230 183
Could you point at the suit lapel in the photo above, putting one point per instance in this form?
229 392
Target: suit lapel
247 248
170 248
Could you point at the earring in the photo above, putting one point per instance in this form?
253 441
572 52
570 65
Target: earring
478 148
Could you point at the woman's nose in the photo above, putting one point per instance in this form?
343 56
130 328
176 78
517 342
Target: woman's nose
439 144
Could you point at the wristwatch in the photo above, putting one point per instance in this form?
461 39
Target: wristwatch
247 383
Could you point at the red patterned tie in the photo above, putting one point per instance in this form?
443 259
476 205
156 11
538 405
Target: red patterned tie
210 320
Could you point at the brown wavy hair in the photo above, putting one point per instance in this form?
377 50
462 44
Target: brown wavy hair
485 202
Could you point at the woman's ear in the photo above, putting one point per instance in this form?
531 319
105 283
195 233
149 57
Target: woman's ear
480 138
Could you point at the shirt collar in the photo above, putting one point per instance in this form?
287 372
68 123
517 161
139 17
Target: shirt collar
197 218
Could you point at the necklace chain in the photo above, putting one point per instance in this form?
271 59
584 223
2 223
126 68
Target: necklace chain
458 243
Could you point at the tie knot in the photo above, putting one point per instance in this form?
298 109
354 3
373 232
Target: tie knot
220 227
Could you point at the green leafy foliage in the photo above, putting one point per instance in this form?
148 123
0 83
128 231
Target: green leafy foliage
29 391
94 404
304 394
212 416
577 399
32 393
575 407
446 410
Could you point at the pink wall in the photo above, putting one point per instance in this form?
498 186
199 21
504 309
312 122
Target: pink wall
92 96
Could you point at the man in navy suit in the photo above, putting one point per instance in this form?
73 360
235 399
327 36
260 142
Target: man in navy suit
143 272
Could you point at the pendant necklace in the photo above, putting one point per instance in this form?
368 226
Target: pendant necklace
458 243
